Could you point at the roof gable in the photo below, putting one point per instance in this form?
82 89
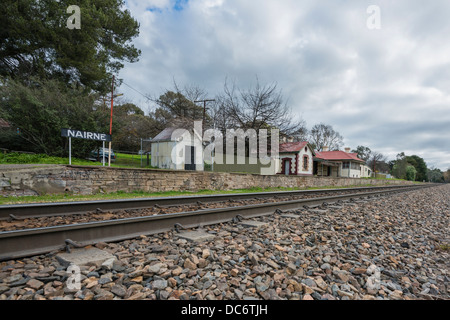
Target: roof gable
165 135
294 147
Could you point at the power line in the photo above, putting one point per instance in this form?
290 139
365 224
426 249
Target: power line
145 96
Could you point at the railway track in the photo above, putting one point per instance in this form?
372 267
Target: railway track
37 216
67 208
28 242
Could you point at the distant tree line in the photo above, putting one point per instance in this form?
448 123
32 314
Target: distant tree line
411 168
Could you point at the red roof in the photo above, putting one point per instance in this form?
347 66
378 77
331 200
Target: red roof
337 155
292 146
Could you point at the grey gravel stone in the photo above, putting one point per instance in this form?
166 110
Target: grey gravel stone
354 252
159 284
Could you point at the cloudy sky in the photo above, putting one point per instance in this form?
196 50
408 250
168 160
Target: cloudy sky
381 81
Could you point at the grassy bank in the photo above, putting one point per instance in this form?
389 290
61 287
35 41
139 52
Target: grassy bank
122 160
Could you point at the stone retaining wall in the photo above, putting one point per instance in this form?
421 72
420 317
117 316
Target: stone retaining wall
90 180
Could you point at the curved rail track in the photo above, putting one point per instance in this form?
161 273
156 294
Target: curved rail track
22 243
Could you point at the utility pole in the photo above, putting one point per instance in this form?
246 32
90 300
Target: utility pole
204 109
204 116
110 121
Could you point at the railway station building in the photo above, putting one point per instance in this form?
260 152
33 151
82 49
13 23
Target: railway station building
300 159
176 148
296 159
343 164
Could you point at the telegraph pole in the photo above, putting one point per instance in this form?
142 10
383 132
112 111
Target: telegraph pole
111 118
204 115
110 121
204 109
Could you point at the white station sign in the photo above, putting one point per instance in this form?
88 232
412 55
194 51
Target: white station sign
71 133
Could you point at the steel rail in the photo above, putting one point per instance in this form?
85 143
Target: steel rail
22 243
67 208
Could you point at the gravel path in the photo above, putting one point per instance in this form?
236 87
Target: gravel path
395 247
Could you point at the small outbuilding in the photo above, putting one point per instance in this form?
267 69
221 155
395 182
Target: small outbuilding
296 159
177 148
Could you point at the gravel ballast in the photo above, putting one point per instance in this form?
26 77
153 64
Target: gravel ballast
391 248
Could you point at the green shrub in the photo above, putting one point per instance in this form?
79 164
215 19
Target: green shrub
411 173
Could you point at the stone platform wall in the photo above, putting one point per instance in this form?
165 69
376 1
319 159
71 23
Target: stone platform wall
26 180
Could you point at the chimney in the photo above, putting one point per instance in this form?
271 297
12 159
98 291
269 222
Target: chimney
347 150
325 148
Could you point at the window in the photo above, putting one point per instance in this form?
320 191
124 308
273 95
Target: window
345 165
305 163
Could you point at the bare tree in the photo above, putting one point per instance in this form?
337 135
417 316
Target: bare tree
192 92
301 133
260 107
218 115
323 135
177 107
377 161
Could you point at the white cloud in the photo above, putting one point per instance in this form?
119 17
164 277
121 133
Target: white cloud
376 87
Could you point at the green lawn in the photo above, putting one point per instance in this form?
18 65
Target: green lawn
131 160
122 160
23 158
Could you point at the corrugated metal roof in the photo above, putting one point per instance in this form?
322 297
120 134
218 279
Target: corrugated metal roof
337 155
292 146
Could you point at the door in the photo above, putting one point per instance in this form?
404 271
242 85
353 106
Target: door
189 161
287 167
